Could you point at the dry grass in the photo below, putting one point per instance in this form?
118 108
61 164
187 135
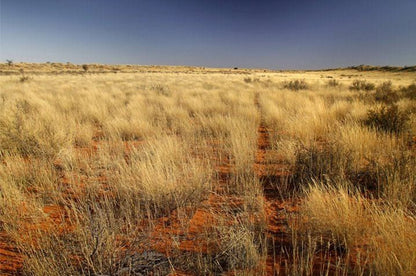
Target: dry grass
101 173
383 235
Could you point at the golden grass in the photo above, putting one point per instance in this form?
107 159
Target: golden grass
90 164
383 234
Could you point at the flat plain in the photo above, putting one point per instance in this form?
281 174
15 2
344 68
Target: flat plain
158 170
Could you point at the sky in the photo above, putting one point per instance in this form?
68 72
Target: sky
280 34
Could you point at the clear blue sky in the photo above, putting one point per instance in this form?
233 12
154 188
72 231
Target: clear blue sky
285 34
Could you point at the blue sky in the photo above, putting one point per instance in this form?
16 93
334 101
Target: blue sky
267 34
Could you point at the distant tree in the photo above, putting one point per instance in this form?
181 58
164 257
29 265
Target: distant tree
85 67
9 62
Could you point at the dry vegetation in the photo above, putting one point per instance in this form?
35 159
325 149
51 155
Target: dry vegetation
194 171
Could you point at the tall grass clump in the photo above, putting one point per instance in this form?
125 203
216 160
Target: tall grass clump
165 176
25 129
379 237
321 162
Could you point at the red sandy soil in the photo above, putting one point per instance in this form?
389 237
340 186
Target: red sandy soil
10 259
55 219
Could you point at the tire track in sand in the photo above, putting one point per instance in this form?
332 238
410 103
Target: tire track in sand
271 174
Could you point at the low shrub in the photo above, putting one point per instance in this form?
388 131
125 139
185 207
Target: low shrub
247 80
296 85
385 93
409 91
250 80
359 85
332 83
24 79
387 118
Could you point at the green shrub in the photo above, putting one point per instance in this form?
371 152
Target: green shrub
387 118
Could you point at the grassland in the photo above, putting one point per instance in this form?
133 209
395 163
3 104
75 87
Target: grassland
129 170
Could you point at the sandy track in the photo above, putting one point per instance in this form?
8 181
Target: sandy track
270 174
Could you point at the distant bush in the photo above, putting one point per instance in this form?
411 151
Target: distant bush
332 83
23 77
409 91
296 85
359 85
250 80
387 118
385 93
85 67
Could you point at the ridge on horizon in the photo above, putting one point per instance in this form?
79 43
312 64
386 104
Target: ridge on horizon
361 67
